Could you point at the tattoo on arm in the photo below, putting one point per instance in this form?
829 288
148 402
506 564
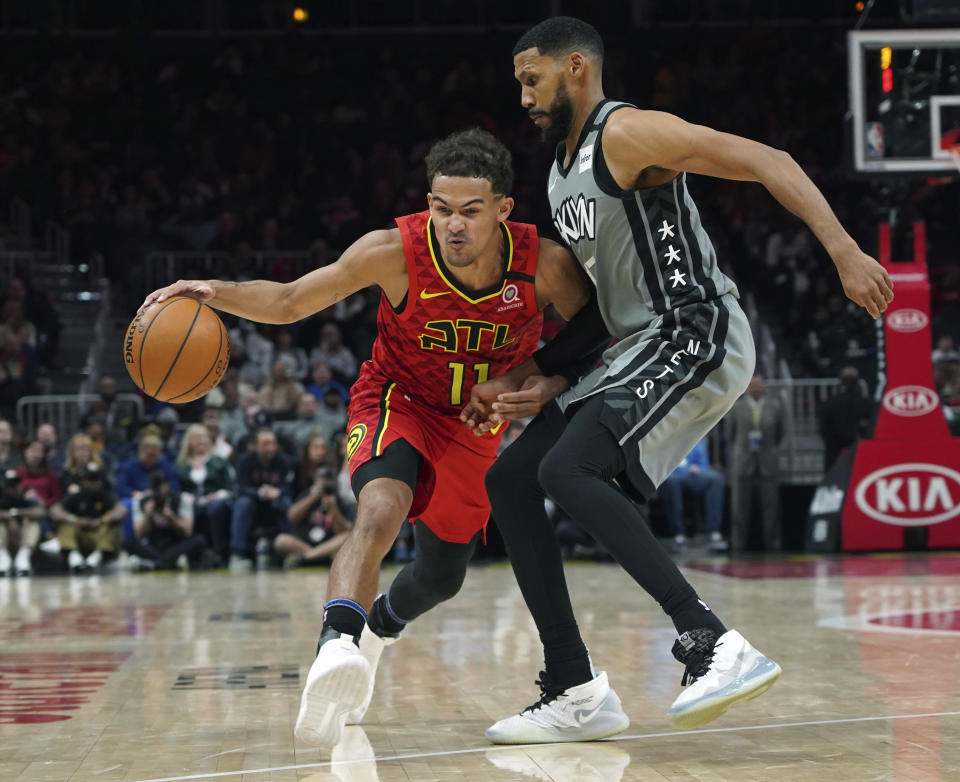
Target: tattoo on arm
247 284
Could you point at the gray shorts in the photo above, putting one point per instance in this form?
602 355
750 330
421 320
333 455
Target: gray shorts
665 388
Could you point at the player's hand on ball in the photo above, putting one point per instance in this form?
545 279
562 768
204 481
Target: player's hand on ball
865 282
201 290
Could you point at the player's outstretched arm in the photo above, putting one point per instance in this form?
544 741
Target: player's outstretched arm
635 140
374 259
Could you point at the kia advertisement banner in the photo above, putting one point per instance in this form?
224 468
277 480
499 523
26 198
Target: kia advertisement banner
908 475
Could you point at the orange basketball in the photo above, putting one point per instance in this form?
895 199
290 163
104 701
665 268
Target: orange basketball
177 350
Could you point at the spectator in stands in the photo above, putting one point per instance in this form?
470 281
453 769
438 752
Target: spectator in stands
757 424
314 455
47 435
37 480
232 417
18 367
264 487
333 352
88 520
9 456
11 390
945 350
166 420
117 418
259 349
38 310
79 453
332 413
133 475
323 381
163 528
308 423
210 480
844 417
695 475
295 356
316 527
15 325
220 445
19 525
281 392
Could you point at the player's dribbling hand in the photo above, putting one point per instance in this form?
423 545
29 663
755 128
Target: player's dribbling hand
865 282
201 290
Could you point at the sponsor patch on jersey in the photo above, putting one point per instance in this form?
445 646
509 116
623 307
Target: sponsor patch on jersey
586 158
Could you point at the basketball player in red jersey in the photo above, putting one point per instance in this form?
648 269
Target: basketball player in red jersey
463 290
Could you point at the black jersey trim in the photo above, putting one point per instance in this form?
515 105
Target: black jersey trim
588 127
601 172
642 247
676 392
473 297
522 276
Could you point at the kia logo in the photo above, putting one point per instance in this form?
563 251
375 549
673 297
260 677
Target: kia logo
910 401
906 320
910 495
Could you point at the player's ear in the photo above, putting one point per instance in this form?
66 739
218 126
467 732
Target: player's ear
576 65
504 208
429 200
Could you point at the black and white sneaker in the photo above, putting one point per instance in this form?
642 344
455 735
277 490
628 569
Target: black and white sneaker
586 712
721 672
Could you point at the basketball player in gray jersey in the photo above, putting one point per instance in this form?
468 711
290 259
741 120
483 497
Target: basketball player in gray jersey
618 195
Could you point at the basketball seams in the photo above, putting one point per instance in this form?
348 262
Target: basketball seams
216 358
179 351
143 339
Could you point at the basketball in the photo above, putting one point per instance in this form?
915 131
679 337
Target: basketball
176 351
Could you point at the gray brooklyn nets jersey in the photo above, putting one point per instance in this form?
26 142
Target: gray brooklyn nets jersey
684 352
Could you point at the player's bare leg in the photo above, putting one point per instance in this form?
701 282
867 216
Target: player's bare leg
340 676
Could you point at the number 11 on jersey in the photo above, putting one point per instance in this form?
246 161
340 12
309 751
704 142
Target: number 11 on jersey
456 384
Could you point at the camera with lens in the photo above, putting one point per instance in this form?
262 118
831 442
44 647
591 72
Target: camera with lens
325 477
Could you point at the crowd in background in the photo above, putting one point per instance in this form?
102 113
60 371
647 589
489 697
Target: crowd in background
258 145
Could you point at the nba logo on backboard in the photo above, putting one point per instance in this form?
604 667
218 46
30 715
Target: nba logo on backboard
874 147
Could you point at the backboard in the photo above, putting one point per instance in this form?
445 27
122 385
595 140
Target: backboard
905 100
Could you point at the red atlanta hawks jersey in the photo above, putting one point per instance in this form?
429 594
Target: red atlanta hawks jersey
443 339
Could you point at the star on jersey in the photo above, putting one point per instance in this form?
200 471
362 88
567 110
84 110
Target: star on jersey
672 254
665 230
677 278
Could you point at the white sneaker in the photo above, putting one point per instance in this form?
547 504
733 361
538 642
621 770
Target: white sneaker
583 713
715 542
722 671
240 564
76 562
336 685
51 546
5 562
371 647
94 560
22 562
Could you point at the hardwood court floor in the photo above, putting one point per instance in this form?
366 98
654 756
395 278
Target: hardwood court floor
197 676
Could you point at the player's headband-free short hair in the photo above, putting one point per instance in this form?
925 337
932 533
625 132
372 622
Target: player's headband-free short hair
559 35
472 153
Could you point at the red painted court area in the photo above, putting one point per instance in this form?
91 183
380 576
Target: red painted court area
38 687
